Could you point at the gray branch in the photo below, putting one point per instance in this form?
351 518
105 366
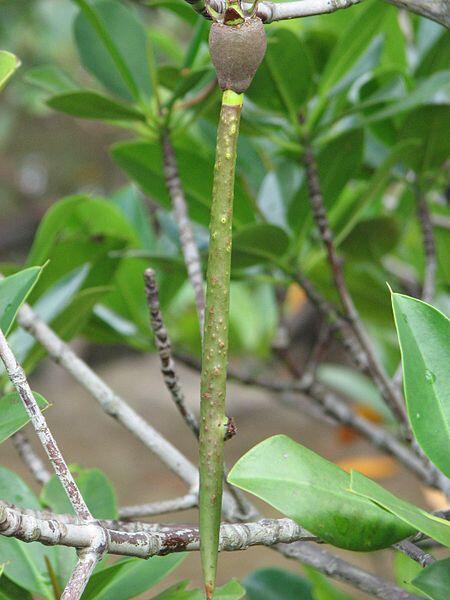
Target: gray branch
163 345
30 458
436 10
188 244
18 379
159 508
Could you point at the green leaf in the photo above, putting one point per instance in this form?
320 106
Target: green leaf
351 45
372 238
337 163
314 493
78 218
51 79
420 520
424 334
112 44
274 86
10 591
354 385
405 569
13 415
14 290
91 105
258 243
323 589
426 125
24 563
434 581
427 91
274 584
142 161
130 577
130 202
95 487
8 64
230 591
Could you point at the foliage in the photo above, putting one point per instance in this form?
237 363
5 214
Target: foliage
374 103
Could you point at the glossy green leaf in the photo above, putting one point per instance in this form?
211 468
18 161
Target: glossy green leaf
424 334
130 577
13 415
92 105
274 86
112 44
274 584
95 487
354 40
323 589
51 79
415 517
428 91
314 493
354 385
75 218
142 161
405 569
426 124
131 204
434 581
372 238
8 64
232 590
10 591
24 563
258 243
337 163
14 290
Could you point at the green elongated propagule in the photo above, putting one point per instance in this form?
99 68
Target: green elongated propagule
236 52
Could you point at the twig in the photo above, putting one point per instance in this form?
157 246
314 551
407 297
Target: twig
163 346
188 244
415 553
111 403
19 381
149 539
341 570
332 406
202 95
429 246
159 508
88 558
437 10
386 386
30 458
141 540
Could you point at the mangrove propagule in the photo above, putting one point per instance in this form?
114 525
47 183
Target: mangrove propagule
236 51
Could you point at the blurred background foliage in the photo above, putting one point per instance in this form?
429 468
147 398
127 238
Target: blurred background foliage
372 86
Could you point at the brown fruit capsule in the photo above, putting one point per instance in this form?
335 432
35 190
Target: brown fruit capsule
236 52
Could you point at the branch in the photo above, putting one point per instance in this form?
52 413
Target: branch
429 246
159 508
145 541
387 388
18 379
111 403
437 10
332 406
339 569
87 561
30 458
187 239
163 346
